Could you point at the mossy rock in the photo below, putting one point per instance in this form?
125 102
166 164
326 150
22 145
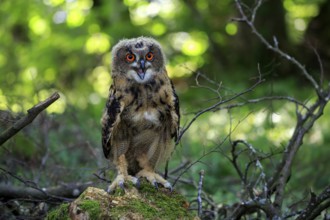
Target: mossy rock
131 203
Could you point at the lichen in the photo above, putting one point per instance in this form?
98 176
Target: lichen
60 212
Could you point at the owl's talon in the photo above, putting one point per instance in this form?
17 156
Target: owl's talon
168 185
155 179
137 184
121 185
120 180
155 184
109 191
134 180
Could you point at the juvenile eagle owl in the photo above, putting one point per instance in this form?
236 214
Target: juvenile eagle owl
142 112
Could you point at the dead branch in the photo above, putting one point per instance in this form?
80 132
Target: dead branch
32 114
315 205
305 121
60 193
32 191
250 22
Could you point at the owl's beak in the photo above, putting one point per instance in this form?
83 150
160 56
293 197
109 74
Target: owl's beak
141 71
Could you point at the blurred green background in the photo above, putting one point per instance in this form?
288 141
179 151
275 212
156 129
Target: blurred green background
64 45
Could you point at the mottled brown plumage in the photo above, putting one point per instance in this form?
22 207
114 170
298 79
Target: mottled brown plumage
142 112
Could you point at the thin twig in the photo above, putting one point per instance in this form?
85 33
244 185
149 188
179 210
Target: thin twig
321 66
262 99
214 149
275 49
304 121
183 130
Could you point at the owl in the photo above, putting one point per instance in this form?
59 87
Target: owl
141 116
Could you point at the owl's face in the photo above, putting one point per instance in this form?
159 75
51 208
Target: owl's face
139 59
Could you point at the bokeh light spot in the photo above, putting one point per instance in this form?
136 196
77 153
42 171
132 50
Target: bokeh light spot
101 80
98 43
38 25
75 18
53 3
196 44
158 29
231 28
299 24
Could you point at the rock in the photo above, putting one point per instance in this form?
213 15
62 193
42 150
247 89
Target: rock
131 203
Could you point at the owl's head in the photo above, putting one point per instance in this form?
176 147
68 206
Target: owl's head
139 59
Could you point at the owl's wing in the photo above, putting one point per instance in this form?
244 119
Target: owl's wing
110 117
177 112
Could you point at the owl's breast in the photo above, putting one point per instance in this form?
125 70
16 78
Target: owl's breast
149 116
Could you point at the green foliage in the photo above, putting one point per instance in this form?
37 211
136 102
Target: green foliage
64 45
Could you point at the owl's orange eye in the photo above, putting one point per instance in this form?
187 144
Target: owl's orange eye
130 57
150 56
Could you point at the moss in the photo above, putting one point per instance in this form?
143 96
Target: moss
170 204
91 207
60 212
145 203
154 204
135 206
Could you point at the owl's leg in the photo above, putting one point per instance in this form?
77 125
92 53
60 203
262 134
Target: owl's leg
149 173
122 175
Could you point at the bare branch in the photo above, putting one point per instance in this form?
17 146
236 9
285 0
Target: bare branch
62 193
32 190
304 121
250 23
214 106
314 208
262 99
32 114
213 150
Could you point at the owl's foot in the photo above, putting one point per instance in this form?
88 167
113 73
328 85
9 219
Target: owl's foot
154 179
120 180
